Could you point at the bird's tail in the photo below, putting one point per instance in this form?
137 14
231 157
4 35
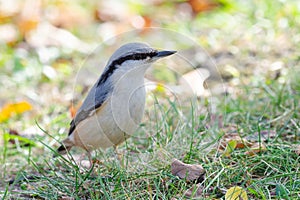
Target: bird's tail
66 146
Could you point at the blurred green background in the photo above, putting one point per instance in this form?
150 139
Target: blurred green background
43 44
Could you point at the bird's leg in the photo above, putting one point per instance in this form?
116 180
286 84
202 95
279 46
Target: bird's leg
90 159
93 161
119 155
82 161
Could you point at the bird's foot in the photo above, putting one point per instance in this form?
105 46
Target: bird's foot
120 156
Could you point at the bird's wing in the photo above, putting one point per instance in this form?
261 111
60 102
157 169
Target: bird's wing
94 100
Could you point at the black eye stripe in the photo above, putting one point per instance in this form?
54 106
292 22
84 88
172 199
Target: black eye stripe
114 64
136 56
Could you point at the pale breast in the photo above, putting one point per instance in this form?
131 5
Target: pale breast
119 117
113 123
137 104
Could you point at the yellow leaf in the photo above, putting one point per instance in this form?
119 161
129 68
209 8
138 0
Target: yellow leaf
14 108
236 193
230 147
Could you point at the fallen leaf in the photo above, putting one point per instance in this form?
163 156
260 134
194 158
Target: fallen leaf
256 148
188 172
236 193
14 108
234 136
194 191
241 142
230 148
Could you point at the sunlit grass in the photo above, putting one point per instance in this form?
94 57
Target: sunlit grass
146 173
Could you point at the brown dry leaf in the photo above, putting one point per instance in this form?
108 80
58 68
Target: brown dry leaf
256 148
14 108
188 172
240 142
194 191
202 5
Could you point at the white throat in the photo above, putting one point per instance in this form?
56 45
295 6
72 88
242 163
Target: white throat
128 97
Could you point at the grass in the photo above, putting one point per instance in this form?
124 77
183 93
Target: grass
192 138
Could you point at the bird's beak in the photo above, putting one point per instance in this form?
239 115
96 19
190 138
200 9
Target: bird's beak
162 54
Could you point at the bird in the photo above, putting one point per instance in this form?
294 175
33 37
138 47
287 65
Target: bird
114 106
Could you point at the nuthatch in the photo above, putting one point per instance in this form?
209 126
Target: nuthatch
114 106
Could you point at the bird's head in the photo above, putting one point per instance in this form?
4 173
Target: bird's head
135 55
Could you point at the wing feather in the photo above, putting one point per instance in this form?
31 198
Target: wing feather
94 100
